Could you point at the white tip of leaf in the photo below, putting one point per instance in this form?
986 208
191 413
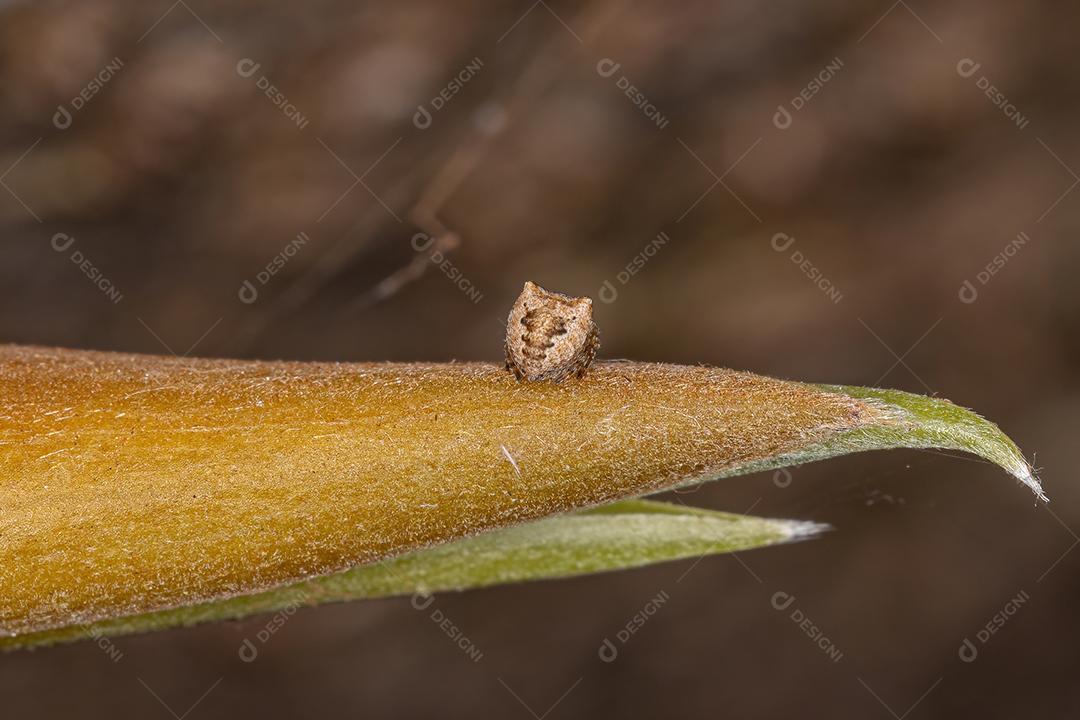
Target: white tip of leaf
799 530
266 513
926 422
619 536
906 420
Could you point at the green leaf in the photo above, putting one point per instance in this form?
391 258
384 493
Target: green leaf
131 486
908 421
622 535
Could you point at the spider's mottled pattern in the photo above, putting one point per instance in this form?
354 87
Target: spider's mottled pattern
550 336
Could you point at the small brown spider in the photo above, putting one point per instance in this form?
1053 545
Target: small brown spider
550 336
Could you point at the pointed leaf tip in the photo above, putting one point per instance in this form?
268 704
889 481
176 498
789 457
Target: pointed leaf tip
892 419
212 479
918 421
619 536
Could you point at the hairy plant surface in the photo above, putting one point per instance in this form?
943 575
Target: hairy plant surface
624 534
133 484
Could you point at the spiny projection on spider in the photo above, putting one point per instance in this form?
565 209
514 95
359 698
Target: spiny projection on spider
550 336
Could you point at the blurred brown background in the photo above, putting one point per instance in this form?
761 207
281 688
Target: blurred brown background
826 176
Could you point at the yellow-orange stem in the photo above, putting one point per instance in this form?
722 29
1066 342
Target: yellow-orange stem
132 483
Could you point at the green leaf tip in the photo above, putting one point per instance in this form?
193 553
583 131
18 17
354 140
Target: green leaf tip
143 492
928 422
622 535
906 420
